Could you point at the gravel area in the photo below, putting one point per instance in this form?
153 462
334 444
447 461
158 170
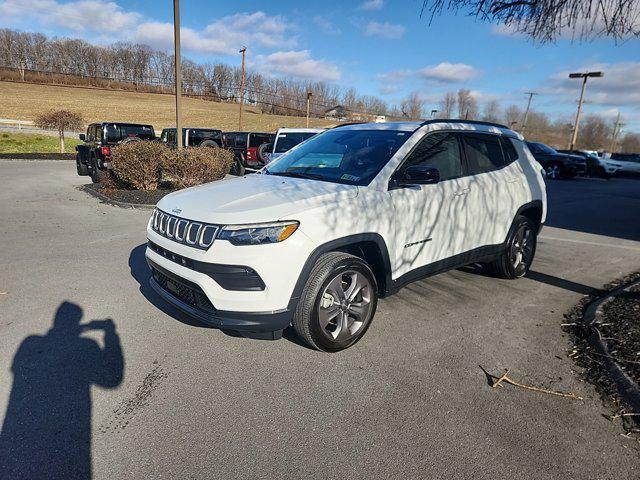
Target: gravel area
618 326
134 197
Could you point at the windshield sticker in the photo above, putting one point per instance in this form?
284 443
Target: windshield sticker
351 178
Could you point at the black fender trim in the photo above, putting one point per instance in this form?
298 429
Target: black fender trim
527 206
335 245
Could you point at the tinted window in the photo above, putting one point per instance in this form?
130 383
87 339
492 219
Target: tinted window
509 151
197 136
342 156
484 153
440 150
116 132
541 148
257 139
286 141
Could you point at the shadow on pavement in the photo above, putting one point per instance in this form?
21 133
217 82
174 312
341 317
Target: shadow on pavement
47 426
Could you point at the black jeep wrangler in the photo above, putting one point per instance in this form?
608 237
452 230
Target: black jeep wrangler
93 157
246 148
193 137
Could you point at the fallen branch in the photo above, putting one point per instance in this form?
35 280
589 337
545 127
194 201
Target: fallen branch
496 382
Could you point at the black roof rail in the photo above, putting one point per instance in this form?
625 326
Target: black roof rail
459 120
346 124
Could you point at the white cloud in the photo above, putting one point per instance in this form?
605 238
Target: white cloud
370 5
224 36
387 30
81 15
446 72
298 64
326 25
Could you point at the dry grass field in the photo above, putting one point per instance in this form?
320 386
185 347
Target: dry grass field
23 101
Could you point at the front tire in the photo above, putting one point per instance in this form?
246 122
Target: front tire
553 171
337 304
515 261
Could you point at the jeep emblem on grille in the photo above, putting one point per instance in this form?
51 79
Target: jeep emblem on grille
176 211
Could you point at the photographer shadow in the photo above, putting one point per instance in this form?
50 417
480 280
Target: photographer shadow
47 426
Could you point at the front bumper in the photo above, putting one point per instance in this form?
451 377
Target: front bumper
174 290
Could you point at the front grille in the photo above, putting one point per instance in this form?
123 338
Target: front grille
189 293
188 232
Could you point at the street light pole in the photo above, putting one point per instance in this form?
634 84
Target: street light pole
177 74
308 103
433 113
526 112
243 50
584 77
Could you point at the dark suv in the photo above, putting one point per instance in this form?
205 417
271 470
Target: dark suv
193 137
245 146
94 156
557 165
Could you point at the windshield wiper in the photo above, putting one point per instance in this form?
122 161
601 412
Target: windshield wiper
312 176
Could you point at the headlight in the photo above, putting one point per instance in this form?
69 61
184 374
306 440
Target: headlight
258 234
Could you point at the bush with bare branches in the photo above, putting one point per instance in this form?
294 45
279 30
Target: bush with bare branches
196 165
60 120
139 164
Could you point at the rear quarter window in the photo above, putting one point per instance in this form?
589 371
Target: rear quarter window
484 153
510 152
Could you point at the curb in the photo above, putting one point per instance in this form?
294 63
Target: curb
106 199
627 387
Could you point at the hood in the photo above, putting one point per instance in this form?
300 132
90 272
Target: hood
570 158
253 198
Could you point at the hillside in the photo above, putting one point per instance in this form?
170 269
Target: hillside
25 101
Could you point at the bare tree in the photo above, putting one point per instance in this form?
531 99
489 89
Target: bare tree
491 112
412 106
448 105
630 143
467 105
547 20
60 120
595 133
512 116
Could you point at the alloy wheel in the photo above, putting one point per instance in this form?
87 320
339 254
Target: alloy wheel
553 172
345 306
522 247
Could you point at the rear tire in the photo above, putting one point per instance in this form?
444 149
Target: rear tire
515 261
81 167
338 302
97 175
237 168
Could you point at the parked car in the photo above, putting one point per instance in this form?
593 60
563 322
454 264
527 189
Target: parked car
287 138
93 157
244 146
193 137
596 166
628 162
352 215
557 165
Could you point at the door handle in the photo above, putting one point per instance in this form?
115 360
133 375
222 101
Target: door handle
462 192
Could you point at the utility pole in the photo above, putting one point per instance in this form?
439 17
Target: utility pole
178 71
526 112
308 103
243 51
584 77
616 131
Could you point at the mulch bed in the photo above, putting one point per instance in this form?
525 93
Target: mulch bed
619 328
127 197
39 156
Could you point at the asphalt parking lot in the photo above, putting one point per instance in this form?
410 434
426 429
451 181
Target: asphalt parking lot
169 398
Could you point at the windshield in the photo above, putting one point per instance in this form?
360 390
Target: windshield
286 141
541 147
352 157
116 132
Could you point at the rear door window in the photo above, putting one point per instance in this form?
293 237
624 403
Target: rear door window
484 153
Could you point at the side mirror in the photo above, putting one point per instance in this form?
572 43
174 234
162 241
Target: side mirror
419 175
81 137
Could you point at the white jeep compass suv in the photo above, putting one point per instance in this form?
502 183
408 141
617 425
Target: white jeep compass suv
352 215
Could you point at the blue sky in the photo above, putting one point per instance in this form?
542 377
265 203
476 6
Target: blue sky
380 47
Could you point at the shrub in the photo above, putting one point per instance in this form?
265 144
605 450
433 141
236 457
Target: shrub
196 165
139 164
